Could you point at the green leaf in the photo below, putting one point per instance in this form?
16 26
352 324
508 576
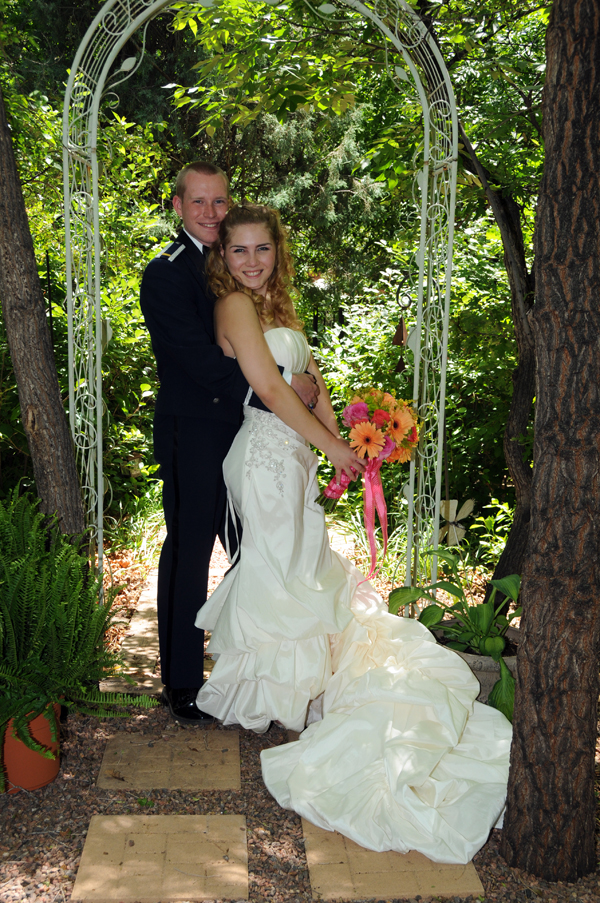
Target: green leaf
468 637
482 616
493 646
502 694
406 595
450 588
431 615
509 586
450 559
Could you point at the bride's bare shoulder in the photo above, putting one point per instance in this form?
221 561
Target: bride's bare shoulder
236 312
232 301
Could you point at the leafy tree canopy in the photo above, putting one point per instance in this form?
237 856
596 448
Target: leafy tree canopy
301 111
285 59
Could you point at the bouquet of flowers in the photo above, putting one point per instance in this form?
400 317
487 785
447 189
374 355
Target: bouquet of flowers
382 428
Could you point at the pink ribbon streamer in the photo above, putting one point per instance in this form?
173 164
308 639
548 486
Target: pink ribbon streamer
335 490
374 500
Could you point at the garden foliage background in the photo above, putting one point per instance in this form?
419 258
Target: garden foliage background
301 114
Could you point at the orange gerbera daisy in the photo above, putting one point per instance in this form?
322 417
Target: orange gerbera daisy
401 423
367 440
400 454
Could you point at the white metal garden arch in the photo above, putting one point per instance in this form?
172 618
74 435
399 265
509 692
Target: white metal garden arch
413 58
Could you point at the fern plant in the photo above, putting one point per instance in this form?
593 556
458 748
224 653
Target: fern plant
52 627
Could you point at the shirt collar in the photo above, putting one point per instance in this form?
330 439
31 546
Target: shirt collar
204 249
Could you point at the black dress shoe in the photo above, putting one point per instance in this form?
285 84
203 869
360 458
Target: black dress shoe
182 705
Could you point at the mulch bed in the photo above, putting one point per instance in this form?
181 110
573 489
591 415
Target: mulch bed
42 832
125 573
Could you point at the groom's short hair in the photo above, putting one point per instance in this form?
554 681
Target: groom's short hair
199 166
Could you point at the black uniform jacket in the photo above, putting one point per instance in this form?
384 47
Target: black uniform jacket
196 378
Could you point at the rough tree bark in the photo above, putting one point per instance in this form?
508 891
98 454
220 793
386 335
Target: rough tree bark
550 820
508 219
44 420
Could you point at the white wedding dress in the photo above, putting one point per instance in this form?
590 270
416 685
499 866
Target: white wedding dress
398 755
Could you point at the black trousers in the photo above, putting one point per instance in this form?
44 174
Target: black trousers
190 452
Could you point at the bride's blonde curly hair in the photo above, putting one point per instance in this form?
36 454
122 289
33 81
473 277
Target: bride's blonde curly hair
278 302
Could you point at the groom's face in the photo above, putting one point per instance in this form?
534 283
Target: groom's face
204 204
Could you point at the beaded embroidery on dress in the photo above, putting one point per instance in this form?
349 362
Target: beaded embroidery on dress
265 435
403 757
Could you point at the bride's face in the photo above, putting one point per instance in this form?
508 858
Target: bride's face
250 256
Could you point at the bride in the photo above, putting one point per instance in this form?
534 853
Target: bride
396 754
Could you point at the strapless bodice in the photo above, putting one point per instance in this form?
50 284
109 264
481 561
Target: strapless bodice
289 348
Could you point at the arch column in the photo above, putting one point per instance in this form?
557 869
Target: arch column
423 70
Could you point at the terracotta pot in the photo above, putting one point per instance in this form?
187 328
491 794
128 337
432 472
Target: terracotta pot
487 671
25 768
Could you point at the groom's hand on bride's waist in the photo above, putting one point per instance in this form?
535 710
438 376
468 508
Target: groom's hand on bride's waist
304 385
306 388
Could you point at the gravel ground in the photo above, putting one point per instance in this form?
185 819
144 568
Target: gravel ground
42 832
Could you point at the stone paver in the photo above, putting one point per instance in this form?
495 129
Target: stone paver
341 870
189 760
140 647
159 858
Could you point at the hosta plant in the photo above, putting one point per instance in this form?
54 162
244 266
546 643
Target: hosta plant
479 629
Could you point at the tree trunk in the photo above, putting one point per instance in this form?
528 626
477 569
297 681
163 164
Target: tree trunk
508 219
550 820
44 420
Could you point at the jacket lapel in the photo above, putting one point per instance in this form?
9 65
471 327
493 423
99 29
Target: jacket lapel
193 258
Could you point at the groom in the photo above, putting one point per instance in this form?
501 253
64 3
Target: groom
198 412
